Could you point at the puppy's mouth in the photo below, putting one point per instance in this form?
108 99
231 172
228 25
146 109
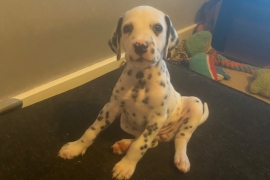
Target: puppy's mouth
140 59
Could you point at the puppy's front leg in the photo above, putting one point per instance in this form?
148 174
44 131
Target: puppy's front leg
106 116
125 168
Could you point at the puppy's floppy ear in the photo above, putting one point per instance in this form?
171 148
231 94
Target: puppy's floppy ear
114 42
171 37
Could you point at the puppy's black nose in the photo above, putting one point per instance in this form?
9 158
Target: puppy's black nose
140 49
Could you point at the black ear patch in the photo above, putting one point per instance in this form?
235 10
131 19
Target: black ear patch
114 42
118 29
173 35
169 29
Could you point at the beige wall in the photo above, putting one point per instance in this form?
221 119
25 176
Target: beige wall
43 40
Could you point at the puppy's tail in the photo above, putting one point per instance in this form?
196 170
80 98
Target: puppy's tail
205 113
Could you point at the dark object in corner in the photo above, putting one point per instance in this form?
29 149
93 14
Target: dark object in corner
10 105
242 31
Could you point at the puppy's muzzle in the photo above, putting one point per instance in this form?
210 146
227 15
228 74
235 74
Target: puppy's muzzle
141 48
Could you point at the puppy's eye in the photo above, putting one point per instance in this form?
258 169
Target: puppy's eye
127 28
158 28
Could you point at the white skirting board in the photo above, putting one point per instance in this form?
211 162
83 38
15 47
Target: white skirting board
79 77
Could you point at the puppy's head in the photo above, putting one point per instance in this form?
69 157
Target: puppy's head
145 34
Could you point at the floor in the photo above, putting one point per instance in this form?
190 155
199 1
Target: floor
233 144
240 81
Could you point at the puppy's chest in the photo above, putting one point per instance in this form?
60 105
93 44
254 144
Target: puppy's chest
139 88
142 92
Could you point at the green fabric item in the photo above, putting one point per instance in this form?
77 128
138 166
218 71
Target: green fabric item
201 64
198 43
261 83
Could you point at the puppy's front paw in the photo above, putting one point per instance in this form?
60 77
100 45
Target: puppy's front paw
182 163
71 150
124 169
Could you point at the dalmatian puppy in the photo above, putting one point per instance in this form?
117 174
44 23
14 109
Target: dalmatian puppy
150 108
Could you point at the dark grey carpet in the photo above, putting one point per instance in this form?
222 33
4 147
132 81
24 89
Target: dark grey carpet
233 143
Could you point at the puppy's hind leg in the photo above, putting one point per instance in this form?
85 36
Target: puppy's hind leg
192 117
106 116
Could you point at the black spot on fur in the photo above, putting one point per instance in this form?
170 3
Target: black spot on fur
182 134
197 101
117 91
147 90
136 88
92 128
107 114
165 97
134 96
190 126
142 153
107 122
162 83
145 146
145 135
159 73
173 35
152 51
162 104
145 140
141 148
139 75
154 142
129 72
186 127
122 88
141 83
149 76
145 101
133 114
102 127
122 103
100 118
158 114
186 120
82 141
101 112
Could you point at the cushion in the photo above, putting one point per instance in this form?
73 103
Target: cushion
261 83
203 64
199 42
